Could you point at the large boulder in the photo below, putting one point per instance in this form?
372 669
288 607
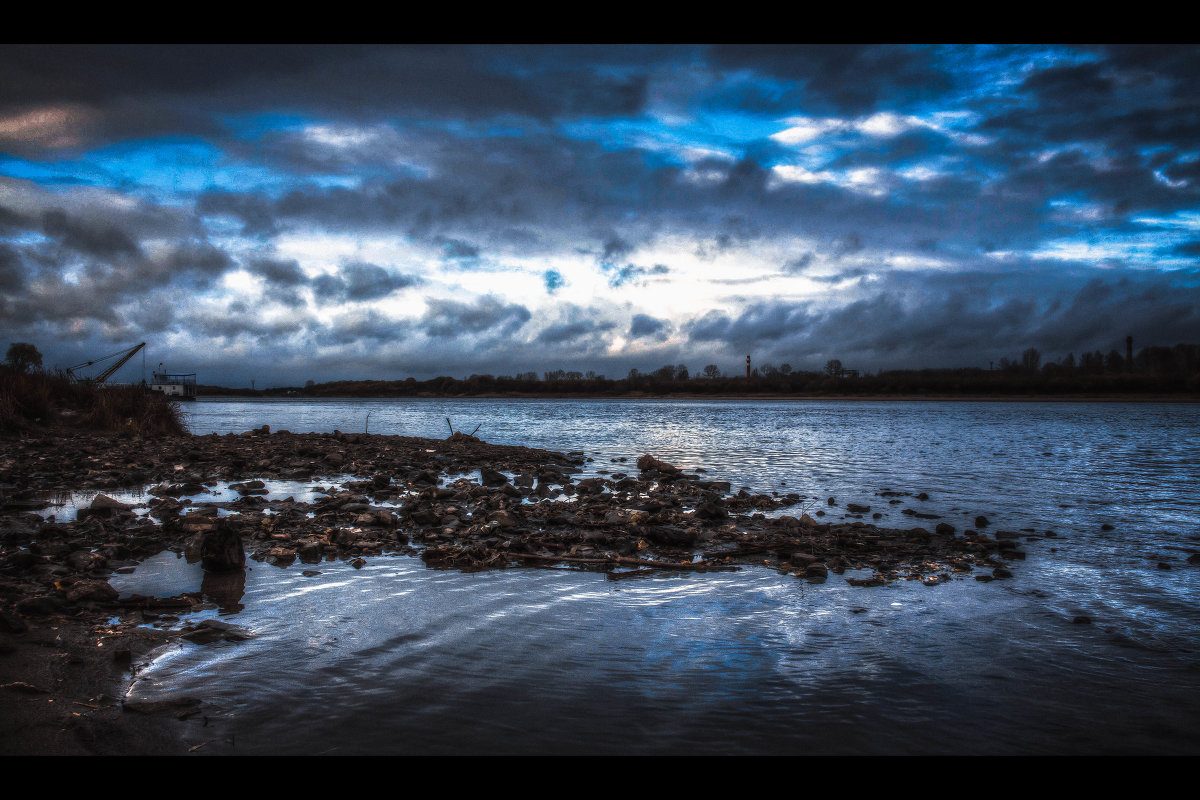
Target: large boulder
221 548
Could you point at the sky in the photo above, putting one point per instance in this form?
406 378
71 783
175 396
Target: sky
283 214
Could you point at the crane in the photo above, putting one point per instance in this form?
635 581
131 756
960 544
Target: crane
121 355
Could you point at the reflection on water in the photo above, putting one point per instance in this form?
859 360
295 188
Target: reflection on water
226 589
394 658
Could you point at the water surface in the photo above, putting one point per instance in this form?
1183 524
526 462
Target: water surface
394 658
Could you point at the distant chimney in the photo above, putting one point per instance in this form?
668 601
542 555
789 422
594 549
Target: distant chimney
1129 353
747 366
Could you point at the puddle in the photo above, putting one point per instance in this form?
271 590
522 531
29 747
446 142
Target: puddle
169 574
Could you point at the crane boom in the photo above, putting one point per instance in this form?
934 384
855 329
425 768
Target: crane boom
125 355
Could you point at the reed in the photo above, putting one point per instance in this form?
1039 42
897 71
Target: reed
32 401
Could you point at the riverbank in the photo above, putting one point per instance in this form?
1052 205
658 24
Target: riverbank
1182 398
458 503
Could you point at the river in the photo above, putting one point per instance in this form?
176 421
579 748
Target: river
395 658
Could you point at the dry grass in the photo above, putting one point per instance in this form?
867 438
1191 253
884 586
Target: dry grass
41 400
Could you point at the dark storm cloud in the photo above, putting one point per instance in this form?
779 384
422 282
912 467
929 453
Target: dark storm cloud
644 325
845 78
910 146
615 249
458 250
451 318
281 273
104 241
370 282
355 327
140 91
932 319
11 221
1191 249
462 154
564 190
12 269
577 327
255 215
357 282
1138 105
233 323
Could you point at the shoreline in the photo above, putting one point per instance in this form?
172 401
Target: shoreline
458 503
986 398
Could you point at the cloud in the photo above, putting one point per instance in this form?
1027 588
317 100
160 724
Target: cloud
577 328
356 282
890 205
488 314
279 272
645 326
633 274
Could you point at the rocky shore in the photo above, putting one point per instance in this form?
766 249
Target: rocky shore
69 640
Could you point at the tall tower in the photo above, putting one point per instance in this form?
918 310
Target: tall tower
747 367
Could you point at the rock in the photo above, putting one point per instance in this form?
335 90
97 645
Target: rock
1082 619
854 508
491 477
1106 527
221 548
503 518
648 463
102 502
1163 565
712 509
1194 558
981 521
281 556
215 630
1001 572
91 591
84 560
358 563
944 529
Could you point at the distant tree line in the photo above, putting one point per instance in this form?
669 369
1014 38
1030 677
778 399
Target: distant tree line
1154 370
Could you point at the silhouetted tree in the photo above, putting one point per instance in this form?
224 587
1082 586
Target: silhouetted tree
1114 361
665 373
833 367
712 371
1031 359
23 357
